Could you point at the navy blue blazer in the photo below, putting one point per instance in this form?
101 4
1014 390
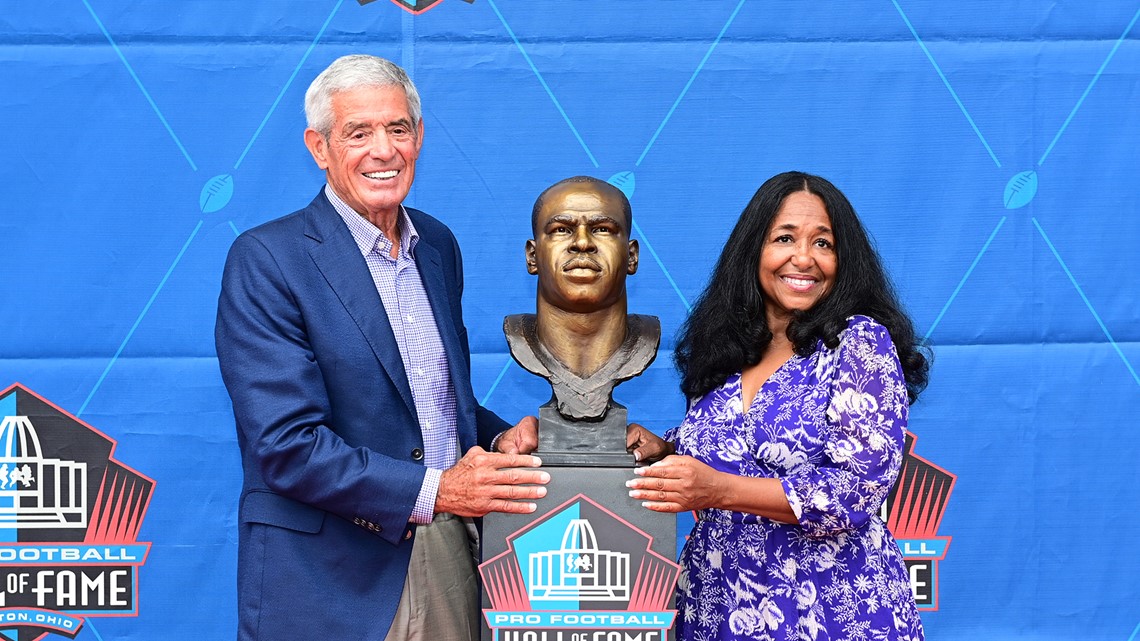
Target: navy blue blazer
330 444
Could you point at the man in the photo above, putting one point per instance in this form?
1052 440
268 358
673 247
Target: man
581 337
341 341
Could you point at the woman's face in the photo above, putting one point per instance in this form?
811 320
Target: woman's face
797 261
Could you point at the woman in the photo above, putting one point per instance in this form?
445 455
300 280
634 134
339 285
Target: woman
799 365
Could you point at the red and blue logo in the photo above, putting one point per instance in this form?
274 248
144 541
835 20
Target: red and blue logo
913 511
413 6
69 521
580 572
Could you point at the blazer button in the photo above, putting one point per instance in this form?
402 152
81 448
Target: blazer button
417 454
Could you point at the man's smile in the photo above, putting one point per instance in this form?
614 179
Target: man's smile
382 175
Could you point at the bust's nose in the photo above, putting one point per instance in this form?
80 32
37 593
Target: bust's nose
583 241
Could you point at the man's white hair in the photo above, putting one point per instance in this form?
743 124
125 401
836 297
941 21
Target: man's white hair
351 72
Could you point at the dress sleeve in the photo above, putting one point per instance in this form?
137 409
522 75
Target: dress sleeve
863 436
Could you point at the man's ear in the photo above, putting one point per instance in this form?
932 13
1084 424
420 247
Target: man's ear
318 146
634 254
531 257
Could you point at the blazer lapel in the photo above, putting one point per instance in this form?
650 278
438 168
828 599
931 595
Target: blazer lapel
431 273
339 261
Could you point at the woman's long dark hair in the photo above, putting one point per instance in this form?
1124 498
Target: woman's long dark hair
727 330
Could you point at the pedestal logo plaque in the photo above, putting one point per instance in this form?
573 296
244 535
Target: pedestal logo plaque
579 572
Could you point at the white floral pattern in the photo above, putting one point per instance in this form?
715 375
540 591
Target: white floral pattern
830 426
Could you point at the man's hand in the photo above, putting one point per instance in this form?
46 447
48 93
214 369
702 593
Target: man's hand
481 482
520 439
645 446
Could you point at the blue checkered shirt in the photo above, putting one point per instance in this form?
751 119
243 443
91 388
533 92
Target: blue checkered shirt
406 303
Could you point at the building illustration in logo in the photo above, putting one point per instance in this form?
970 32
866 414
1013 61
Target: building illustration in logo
913 512
37 492
587 571
70 515
579 570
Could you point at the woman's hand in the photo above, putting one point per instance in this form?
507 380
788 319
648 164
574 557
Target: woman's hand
678 484
645 446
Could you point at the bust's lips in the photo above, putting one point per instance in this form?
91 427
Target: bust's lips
582 270
581 263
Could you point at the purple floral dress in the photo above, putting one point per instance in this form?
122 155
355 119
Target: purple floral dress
830 426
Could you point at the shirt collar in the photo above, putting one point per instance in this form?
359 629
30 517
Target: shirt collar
367 236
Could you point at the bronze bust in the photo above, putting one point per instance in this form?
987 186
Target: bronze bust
581 338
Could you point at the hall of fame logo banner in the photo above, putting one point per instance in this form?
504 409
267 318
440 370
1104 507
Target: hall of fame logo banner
69 521
415 7
913 511
580 573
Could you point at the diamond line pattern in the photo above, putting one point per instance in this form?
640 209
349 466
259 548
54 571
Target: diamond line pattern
727 37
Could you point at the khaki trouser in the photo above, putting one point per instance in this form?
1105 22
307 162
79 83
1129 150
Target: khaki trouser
440 601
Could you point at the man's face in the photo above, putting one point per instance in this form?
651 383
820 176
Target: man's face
581 251
370 153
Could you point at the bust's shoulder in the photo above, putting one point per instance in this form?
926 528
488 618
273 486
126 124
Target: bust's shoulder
522 341
640 347
519 325
644 328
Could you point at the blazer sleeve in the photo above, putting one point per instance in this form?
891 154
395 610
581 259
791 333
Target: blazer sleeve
283 410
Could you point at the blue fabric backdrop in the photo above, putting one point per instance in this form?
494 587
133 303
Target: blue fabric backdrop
141 137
